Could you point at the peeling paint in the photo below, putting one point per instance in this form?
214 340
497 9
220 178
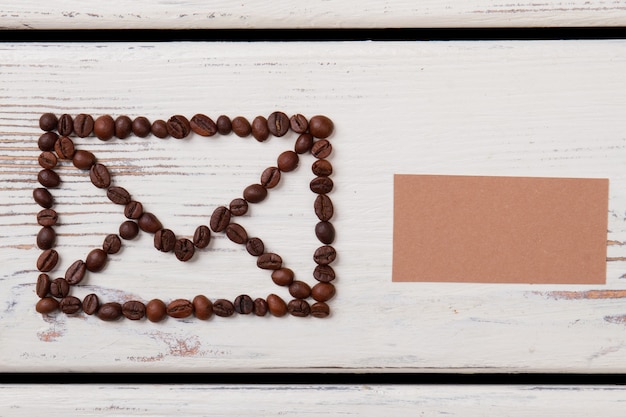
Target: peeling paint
586 295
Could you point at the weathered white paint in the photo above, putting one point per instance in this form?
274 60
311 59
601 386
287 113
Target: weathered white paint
480 108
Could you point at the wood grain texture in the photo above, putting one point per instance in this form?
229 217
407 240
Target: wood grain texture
194 14
481 108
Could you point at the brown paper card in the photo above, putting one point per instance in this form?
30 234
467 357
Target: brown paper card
450 228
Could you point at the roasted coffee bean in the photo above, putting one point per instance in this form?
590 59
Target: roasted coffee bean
321 185
321 149
48 121
47 217
43 285
65 125
202 237
96 259
180 308
276 305
260 130
224 125
184 249
46 305
83 125
129 230
47 140
123 127
322 168
133 210
134 310
141 127
76 272
43 197
64 147
48 178
223 308
298 308
91 304
283 277
241 126
159 129
203 125
321 126
47 260
104 127
178 126
255 246
270 177
260 307
243 304
254 193
46 238
47 160
320 310
110 311
323 207
156 310
149 223
118 195
238 207
83 159
323 291
100 176
287 161
325 232
202 307
59 288
278 123
269 261
324 273
299 289
236 233
220 219
112 244
298 123
324 255
70 304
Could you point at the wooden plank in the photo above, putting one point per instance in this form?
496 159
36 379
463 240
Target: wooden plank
483 108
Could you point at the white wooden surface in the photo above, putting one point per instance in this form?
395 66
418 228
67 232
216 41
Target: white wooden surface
480 108
195 14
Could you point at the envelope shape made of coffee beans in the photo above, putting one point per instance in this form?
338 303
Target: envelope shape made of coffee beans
61 144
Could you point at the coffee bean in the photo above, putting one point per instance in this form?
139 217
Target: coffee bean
129 230
321 149
46 305
260 129
83 125
100 176
299 289
298 123
236 233
276 305
159 129
202 237
47 217
83 159
321 185
47 260
320 310
243 304
298 308
287 161
59 288
47 140
65 125
321 126
141 127
43 285
324 273
134 310
118 195
323 207
110 311
224 125
112 244
133 210
325 232
104 127
278 123
43 197
202 307
178 126
48 121
323 291
223 308
156 310
324 255
322 168
220 219
180 308
70 305
269 261
96 260
76 272
46 238
90 304
283 277
255 246
123 127
203 125
48 178
241 126
148 222
64 147
184 249
47 160
255 193
270 177
238 207
260 307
